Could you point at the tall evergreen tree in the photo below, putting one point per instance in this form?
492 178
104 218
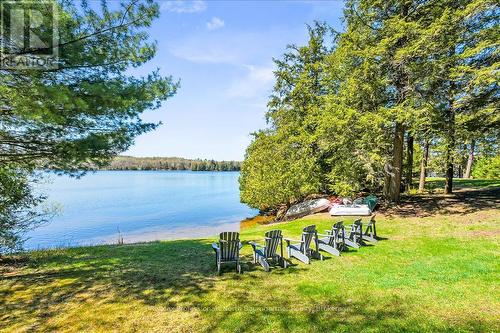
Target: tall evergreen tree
87 109
382 34
459 48
425 70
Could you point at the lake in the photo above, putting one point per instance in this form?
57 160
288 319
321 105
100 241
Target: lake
139 205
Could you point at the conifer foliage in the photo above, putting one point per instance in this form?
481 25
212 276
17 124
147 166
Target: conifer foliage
415 79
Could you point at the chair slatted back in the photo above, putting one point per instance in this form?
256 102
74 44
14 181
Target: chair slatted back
338 233
356 231
273 239
371 229
357 227
308 233
229 245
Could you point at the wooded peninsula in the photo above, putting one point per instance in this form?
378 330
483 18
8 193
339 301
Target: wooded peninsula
170 163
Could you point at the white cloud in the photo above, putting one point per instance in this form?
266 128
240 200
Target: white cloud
215 23
225 48
180 6
205 50
230 47
257 82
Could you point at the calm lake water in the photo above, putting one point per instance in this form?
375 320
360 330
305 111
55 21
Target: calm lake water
141 205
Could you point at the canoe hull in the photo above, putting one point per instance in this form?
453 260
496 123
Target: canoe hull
307 207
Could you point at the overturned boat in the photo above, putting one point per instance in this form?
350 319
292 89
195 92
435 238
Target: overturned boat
307 207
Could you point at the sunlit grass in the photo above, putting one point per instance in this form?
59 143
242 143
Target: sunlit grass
437 273
437 184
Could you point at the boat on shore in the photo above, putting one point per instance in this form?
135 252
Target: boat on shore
359 207
350 210
307 207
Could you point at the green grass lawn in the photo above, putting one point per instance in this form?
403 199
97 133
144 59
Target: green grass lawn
436 273
437 184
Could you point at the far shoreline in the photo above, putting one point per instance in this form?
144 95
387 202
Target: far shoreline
164 170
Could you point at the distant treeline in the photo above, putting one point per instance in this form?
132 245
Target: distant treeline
170 163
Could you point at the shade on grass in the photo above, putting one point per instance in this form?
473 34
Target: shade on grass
437 273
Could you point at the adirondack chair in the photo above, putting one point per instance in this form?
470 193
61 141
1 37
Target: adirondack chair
370 233
334 240
354 237
228 250
357 236
302 250
268 252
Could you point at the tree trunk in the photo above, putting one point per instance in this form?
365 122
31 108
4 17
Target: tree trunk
409 161
448 186
397 163
450 145
423 167
394 173
387 181
468 169
449 127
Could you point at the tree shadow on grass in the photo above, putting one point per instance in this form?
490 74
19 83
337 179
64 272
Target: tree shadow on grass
315 314
462 202
171 274
154 273
174 274
179 274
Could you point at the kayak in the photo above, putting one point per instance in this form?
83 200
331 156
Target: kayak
308 207
350 210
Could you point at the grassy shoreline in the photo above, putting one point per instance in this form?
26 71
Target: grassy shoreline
437 271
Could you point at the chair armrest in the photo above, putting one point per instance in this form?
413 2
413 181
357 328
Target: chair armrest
215 246
254 245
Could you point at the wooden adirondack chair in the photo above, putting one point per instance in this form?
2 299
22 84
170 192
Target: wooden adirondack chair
333 241
268 252
370 233
228 250
302 250
354 237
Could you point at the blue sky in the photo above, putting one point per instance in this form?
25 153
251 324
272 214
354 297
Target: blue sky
222 52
